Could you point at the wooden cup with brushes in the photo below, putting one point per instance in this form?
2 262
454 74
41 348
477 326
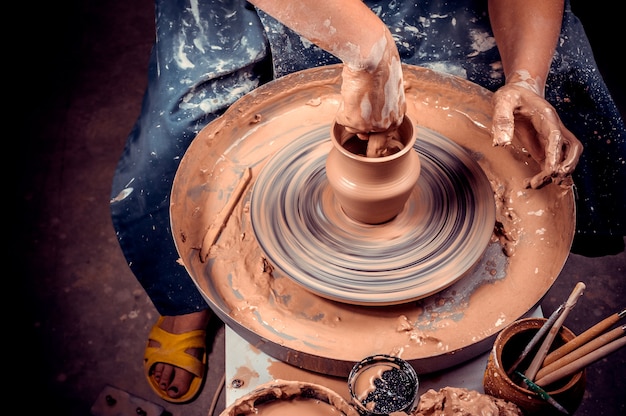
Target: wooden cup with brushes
539 364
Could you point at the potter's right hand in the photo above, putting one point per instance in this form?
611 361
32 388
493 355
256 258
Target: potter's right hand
372 92
548 141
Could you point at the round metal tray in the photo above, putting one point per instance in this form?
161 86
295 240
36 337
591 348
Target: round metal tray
294 324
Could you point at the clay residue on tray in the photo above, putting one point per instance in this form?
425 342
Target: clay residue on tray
286 398
452 401
245 374
302 406
245 289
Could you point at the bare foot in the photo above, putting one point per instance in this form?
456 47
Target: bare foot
174 380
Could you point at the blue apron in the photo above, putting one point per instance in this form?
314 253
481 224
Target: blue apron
209 53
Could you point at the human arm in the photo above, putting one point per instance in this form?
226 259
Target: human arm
372 86
526 33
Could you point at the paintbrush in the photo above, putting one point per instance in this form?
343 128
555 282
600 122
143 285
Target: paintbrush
532 370
543 394
581 351
582 362
584 337
535 339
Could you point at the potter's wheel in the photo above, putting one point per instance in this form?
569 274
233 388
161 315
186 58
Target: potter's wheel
291 323
442 231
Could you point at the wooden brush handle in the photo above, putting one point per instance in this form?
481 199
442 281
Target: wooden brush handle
537 362
577 365
581 339
581 351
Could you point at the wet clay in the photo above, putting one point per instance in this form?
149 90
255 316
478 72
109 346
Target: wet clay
452 401
286 398
300 406
313 224
530 241
373 188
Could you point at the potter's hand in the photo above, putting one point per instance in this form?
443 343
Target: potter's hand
372 88
372 99
553 146
373 102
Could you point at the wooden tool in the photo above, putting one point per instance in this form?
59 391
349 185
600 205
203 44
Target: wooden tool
536 338
213 232
582 362
580 352
532 370
583 338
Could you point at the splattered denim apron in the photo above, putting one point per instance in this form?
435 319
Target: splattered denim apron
207 54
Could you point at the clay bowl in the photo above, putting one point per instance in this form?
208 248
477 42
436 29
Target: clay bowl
507 347
281 397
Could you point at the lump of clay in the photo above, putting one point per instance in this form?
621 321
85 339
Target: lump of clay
452 401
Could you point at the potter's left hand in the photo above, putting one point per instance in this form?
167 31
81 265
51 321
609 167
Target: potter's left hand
373 102
548 141
372 88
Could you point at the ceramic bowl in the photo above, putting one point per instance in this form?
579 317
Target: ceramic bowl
288 398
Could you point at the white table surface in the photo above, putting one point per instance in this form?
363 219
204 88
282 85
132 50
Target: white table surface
248 367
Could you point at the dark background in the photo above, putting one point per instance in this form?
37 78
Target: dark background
77 71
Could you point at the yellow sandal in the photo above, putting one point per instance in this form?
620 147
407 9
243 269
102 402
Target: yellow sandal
171 350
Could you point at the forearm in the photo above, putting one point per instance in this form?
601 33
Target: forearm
346 28
372 86
527 33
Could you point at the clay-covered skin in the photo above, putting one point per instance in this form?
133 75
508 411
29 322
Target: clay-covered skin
372 87
526 34
534 227
373 97
554 146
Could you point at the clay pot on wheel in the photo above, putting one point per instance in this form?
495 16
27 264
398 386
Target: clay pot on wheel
507 347
372 190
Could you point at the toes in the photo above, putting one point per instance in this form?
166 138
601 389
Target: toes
172 380
180 383
167 374
157 371
173 392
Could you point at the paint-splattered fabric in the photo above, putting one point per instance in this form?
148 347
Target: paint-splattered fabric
207 54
